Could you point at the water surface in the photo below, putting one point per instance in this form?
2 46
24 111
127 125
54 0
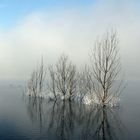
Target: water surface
26 118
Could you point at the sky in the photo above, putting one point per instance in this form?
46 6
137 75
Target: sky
30 29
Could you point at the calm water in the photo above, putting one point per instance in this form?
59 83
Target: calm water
23 118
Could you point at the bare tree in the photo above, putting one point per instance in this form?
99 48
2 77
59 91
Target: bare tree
65 77
85 83
36 82
41 76
52 81
106 67
72 82
32 84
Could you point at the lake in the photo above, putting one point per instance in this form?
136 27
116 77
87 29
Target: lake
28 118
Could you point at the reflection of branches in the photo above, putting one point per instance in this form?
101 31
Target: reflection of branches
65 120
95 123
35 109
62 120
106 125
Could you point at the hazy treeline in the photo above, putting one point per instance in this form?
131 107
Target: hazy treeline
97 82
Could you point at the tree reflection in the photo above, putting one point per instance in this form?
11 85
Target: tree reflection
102 124
69 120
62 120
35 109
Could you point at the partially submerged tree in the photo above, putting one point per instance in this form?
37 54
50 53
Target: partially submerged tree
65 78
36 82
85 83
52 81
106 67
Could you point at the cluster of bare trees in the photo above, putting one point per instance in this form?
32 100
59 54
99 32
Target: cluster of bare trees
99 81
62 81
